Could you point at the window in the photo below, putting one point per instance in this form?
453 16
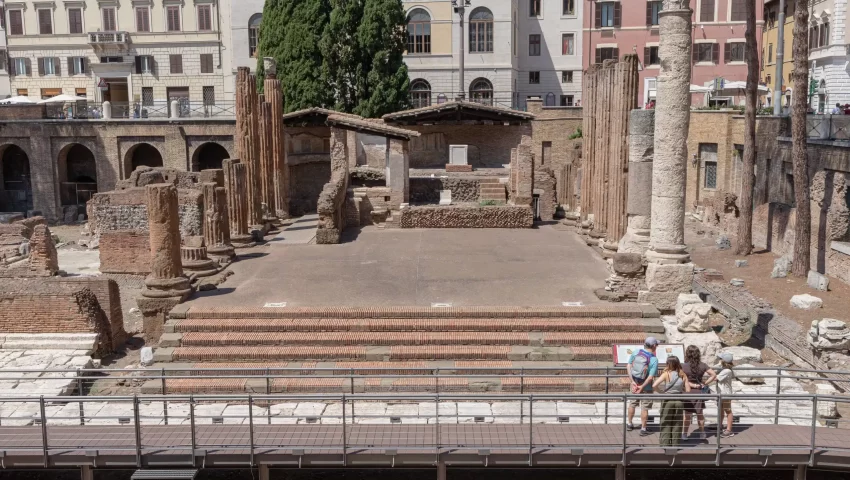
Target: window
48 66
609 53
706 10
419 31
76 65
569 7
111 59
824 35
143 19
3 59
22 92
109 22
16 22
50 92
481 91
80 92
144 64
567 76
45 21
534 45
420 93
734 52
706 53
3 17
567 100
21 66
652 9
608 14
172 16
147 96
771 19
481 31
75 20
533 77
549 102
254 34
533 8
207 63
568 44
650 56
208 95
204 18
739 11
770 53
710 174
176 63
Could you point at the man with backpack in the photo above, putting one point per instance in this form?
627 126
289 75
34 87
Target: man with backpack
642 369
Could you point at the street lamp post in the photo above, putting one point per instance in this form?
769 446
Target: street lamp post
460 8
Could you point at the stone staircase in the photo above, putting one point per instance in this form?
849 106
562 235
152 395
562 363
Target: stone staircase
492 191
408 340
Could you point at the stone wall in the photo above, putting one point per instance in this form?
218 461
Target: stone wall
544 189
305 184
489 145
554 126
463 216
427 190
125 251
22 112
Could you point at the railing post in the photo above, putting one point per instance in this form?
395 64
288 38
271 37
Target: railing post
719 428
80 389
522 392
625 425
351 379
138 431
437 426
164 402
251 428
778 382
44 449
192 427
814 428
268 382
344 440
437 380
530 430
607 391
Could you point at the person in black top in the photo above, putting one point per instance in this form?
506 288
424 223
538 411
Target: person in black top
696 370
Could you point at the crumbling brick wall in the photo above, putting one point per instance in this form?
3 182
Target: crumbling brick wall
464 216
306 181
427 190
125 251
489 145
544 189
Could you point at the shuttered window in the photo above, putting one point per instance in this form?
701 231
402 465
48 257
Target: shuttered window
173 18
608 14
45 22
207 63
204 17
75 20
176 63
706 53
77 65
16 22
739 11
109 23
143 19
706 10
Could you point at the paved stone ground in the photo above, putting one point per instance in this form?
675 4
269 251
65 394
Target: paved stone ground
532 267
36 381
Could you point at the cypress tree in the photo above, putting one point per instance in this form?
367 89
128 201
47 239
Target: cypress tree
342 63
382 39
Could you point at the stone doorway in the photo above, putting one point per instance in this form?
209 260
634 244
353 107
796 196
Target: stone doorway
77 175
16 180
209 156
143 155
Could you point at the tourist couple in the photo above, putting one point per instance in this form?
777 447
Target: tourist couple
693 376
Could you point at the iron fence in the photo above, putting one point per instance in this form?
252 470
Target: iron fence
828 127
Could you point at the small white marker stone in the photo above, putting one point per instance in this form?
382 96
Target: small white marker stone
275 305
572 304
441 305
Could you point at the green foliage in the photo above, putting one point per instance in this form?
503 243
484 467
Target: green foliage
381 36
576 135
343 59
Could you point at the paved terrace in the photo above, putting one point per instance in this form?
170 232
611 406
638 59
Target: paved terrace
544 266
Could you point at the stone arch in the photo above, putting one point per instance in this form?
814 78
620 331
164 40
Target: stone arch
142 154
15 179
209 156
77 174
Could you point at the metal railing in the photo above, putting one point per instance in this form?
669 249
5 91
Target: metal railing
50 424
828 127
108 38
76 193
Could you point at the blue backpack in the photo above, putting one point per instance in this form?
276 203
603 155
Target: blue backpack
640 366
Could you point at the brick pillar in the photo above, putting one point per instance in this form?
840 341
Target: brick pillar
216 223
525 173
247 140
399 169
44 261
280 170
237 203
266 160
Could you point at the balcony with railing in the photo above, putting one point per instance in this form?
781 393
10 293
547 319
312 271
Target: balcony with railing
157 110
108 38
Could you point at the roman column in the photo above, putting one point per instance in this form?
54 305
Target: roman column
216 223
247 141
166 279
266 160
274 95
237 203
639 199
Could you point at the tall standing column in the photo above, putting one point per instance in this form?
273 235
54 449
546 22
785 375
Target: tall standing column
266 160
247 141
274 95
639 203
667 236
588 146
237 203
216 223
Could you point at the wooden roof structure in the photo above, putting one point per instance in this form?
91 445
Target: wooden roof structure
459 112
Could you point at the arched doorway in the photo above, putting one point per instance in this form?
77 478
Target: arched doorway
77 175
17 187
209 156
143 155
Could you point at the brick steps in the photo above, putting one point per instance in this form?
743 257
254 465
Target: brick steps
209 339
417 325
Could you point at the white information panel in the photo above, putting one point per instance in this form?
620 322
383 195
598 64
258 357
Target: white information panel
622 353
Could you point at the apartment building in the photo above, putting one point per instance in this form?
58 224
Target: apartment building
770 46
245 19
5 86
613 28
828 49
513 49
138 53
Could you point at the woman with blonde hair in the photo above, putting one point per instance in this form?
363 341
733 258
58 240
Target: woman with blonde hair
672 381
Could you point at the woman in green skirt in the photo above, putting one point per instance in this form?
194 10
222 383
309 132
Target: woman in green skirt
672 381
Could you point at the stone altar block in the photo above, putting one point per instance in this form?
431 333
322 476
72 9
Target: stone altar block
445 197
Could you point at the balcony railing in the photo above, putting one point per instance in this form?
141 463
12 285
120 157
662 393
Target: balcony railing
108 38
828 127
137 110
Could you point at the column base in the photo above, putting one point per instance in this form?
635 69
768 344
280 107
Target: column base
242 241
221 252
668 254
155 313
178 287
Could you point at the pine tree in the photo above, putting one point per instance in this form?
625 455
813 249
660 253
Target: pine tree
291 32
342 62
381 36
799 156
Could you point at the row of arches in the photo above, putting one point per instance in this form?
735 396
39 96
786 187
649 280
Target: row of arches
480 90
78 179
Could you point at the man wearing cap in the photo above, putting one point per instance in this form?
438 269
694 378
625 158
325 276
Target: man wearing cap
642 369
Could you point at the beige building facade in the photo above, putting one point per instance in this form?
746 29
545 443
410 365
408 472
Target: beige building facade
140 55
